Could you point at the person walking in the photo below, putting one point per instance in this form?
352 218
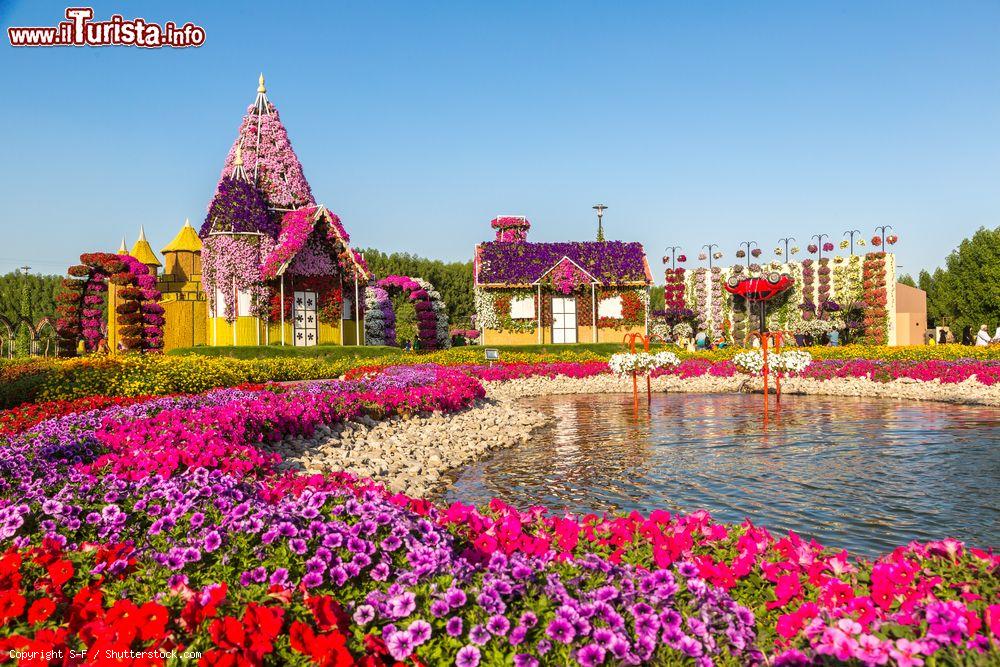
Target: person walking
983 337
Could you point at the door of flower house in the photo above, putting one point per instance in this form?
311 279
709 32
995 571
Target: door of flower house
304 319
563 319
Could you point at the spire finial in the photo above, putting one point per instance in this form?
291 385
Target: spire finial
187 222
260 84
122 249
142 234
239 154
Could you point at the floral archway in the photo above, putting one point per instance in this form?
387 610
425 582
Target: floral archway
432 315
138 313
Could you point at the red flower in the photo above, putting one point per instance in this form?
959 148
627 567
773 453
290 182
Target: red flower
325 649
329 613
61 571
11 606
40 610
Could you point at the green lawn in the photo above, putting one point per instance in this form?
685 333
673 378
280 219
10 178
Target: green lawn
331 352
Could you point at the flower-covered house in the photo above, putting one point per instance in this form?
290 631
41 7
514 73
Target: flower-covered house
276 266
566 292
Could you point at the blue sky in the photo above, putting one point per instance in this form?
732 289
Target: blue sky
418 122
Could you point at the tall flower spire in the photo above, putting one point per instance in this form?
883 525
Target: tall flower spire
269 162
239 173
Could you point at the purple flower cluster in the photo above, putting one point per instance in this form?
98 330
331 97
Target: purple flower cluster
610 262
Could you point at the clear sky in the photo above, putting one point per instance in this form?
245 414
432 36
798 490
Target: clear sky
695 122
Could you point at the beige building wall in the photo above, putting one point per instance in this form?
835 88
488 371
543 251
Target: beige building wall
910 315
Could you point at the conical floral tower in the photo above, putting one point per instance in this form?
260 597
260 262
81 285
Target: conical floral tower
268 158
263 229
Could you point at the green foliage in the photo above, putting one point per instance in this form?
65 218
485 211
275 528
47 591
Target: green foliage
452 279
965 293
656 301
907 279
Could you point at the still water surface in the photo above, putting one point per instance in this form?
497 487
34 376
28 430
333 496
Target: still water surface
862 474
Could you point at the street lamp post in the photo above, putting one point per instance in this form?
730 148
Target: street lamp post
600 208
819 244
881 230
749 245
673 255
710 250
851 233
786 241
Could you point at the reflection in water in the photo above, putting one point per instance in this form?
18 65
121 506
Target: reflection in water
862 474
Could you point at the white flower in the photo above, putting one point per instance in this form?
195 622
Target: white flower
626 363
789 361
750 362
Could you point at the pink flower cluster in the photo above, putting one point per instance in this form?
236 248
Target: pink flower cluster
818 597
224 436
268 153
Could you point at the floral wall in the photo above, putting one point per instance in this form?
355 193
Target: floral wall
824 294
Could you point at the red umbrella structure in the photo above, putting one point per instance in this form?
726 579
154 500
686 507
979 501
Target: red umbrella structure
760 289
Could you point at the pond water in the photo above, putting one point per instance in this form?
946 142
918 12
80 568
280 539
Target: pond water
862 474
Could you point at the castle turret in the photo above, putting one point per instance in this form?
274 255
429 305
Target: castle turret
143 252
183 255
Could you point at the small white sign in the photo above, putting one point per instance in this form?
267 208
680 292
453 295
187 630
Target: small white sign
492 355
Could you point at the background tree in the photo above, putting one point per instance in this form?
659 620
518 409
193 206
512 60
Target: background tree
452 279
967 291
907 279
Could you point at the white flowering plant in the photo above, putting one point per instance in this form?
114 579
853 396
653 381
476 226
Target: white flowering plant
626 363
789 361
750 362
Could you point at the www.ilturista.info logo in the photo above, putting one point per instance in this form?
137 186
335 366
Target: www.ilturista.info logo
80 30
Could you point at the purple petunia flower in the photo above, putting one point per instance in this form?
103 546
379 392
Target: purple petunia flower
454 626
279 577
468 656
400 644
561 631
420 631
364 614
479 634
590 655
498 625
525 660
212 541
455 597
312 580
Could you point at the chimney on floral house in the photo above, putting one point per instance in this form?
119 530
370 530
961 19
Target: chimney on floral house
511 228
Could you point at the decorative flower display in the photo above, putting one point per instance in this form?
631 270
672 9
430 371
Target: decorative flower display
380 318
238 208
610 262
298 227
717 255
812 248
566 277
702 256
673 289
643 363
432 316
876 314
634 302
827 247
778 251
891 239
845 244
789 361
756 252
511 229
230 266
794 250
138 313
267 152
740 254
682 258
876 241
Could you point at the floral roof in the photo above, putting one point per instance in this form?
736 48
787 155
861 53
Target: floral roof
297 244
610 262
267 152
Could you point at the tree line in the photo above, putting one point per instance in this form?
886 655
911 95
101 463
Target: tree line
966 291
41 296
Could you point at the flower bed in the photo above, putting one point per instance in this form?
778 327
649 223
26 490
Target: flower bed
157 524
